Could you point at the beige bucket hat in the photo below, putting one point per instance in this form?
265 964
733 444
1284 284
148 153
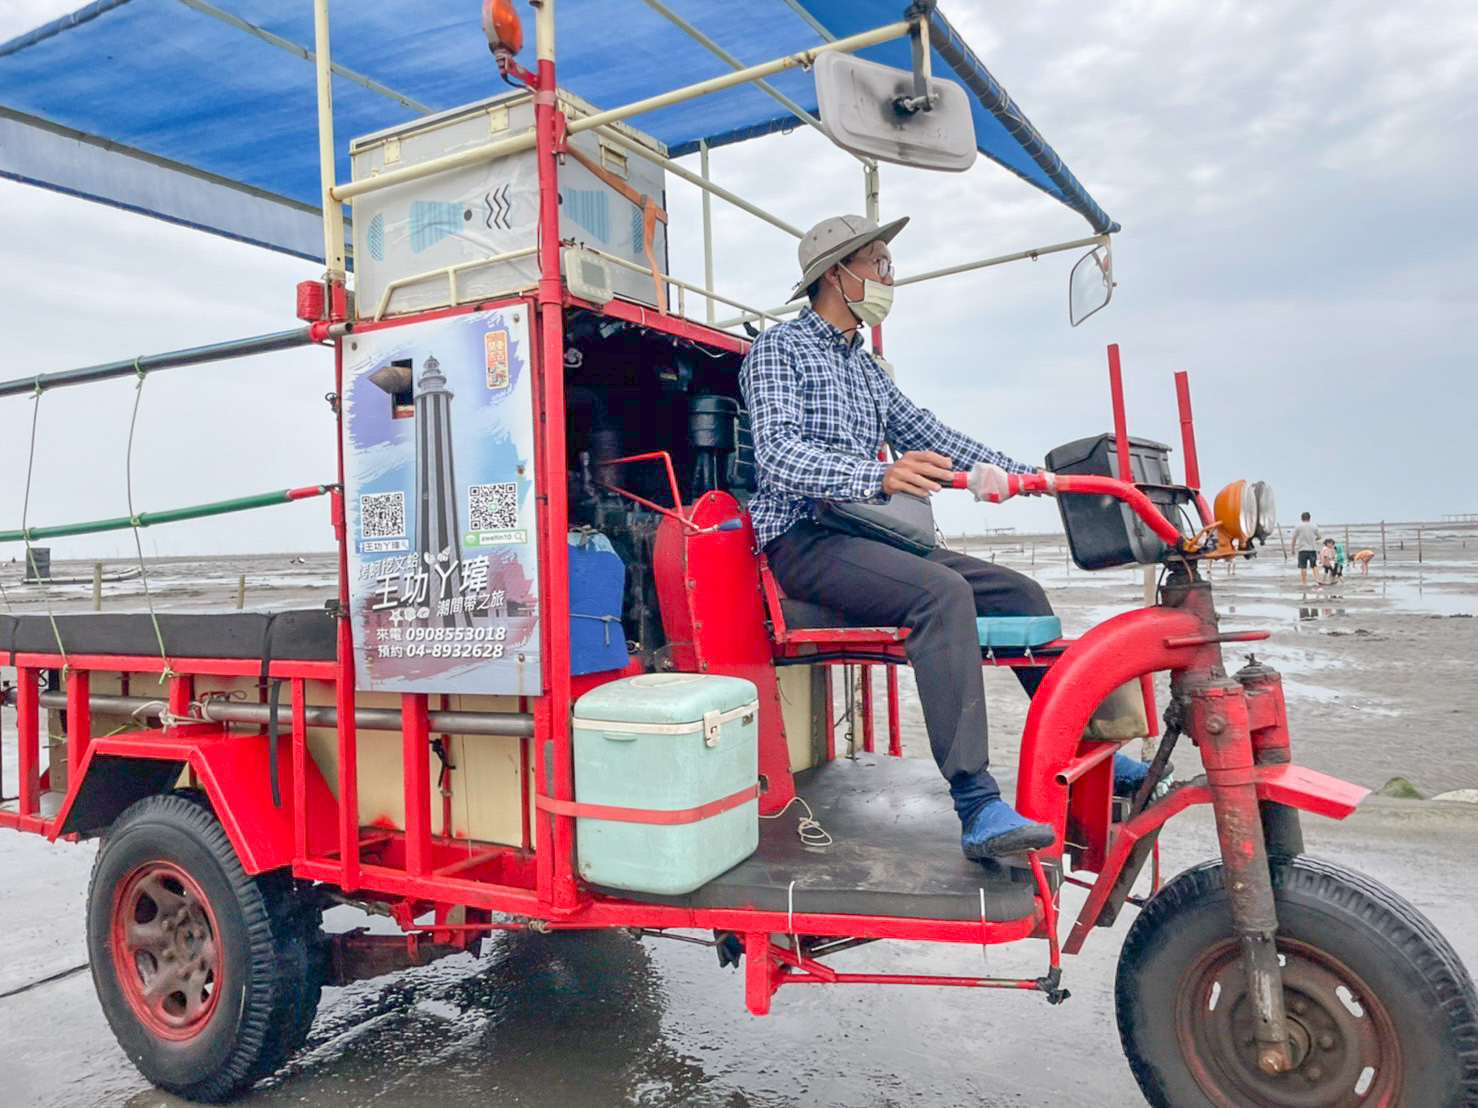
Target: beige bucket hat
833 239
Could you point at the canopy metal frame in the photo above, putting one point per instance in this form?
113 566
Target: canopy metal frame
336 193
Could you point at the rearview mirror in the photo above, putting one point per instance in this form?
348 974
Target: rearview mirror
1091 285
859 103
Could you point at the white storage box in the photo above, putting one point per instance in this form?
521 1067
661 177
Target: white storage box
461 216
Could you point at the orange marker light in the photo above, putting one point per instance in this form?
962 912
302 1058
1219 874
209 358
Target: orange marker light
501 24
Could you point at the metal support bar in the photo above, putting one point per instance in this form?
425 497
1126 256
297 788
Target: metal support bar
514 144
743 76
707 226
306 54
974 76
169 515
815 24
333 215
514 724
948 271
719 52
450 272
525 141
149 363
637 267
1020 255
698 179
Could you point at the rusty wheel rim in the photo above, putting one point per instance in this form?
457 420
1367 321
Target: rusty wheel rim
1345 1046
166 950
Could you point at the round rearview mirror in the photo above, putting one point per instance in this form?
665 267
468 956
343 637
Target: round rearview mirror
1091 285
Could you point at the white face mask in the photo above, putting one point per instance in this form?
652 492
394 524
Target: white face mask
877 298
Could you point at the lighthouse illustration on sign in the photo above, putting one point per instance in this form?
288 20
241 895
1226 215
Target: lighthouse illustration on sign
438 530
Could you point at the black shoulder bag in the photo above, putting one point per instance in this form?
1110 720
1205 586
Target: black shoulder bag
902 519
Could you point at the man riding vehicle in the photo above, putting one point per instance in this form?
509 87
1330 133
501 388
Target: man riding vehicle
821 407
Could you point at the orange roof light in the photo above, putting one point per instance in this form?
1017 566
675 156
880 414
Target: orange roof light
501 24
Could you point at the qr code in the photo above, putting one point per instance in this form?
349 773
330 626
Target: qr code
492 507
382 515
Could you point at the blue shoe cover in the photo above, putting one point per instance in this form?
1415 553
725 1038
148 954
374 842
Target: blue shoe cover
996 828
1129 774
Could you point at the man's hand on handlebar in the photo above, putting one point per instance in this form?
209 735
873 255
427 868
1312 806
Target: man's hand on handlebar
992 483
921 472
988 482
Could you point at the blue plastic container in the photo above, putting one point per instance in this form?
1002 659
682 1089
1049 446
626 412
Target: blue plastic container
597 584
666 742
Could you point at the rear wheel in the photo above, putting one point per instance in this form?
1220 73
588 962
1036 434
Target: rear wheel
208 977
1380 1010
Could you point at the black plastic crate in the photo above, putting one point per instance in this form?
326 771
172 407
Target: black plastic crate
1103 532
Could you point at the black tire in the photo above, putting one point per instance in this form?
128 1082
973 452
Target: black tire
1381 1009
168 895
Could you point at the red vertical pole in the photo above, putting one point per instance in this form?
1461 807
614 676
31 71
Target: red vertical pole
348 739
300 771
1121 432
525 782
867 738
544 849
1147 690
1187 430
28 739
181 692
415 737
895 725
79 721
553 522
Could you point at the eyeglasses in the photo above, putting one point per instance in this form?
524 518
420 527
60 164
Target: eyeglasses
882 265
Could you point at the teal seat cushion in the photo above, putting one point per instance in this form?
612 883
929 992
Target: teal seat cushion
1018 632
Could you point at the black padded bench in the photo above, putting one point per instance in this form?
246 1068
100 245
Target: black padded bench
298 635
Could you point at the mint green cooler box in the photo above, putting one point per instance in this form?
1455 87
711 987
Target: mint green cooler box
666 742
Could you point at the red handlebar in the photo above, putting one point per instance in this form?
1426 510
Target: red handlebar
1028 483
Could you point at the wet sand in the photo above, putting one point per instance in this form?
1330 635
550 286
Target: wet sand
1379 684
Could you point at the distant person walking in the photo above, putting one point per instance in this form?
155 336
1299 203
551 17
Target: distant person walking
1306 547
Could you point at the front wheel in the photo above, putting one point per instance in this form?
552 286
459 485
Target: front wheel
1380 1010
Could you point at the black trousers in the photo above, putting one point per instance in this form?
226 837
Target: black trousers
937 597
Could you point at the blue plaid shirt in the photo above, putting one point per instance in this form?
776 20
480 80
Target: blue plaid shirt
821 407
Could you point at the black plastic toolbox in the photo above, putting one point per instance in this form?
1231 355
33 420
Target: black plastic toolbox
1103 532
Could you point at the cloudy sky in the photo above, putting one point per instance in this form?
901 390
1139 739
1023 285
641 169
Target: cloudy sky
1295 183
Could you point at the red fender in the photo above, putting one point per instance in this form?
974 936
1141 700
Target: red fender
1295 786
232 769
1117 651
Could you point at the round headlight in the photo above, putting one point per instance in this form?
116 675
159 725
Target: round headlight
1267 510
1236 511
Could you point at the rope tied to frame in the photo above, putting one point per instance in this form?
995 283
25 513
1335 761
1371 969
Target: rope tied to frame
133 518
31 566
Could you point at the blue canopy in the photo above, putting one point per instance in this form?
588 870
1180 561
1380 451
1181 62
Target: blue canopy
204 113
